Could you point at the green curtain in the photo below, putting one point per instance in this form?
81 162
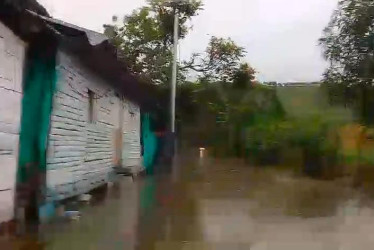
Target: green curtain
38 89
149 143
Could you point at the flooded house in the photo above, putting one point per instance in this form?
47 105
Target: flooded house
12 53
70 110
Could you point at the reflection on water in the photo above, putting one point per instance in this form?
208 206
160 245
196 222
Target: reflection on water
220 204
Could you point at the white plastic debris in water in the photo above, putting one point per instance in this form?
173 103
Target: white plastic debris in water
85 197
72 215
202 150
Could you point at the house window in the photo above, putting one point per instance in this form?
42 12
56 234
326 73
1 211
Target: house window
91 106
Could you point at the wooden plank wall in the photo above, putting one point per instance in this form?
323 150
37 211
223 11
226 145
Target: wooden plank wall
131 136
12 53
80 153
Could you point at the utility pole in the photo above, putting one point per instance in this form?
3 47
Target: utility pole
174 72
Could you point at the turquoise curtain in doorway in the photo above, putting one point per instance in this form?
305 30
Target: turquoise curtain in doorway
38 88
149 143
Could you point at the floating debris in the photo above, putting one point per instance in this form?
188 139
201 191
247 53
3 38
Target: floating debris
85 197
72 215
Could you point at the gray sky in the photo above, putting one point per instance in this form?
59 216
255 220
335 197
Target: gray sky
280 36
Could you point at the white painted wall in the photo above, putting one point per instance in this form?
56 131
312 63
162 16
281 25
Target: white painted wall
131 151
80 154
12 53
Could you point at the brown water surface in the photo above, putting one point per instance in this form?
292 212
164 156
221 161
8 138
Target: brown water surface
220 204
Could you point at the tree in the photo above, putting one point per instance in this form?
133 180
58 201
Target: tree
145 38
244 76
222 91
348 43
219 62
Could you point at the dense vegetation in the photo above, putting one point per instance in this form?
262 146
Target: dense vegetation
348 43
225 109
144 39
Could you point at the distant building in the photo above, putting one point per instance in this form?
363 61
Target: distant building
292 84
299 84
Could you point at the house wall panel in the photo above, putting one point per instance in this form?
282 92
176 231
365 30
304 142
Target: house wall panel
131 135
12 53
80 151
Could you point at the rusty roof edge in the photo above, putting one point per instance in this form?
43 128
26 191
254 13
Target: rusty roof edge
94 38
90 46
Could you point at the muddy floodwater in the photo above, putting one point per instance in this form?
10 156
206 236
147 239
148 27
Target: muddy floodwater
206 203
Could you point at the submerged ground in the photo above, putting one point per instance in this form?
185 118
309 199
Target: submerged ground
205 203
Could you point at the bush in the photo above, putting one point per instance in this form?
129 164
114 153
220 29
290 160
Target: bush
265 142
318 145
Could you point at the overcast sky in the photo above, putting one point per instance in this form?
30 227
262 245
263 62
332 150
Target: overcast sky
280 36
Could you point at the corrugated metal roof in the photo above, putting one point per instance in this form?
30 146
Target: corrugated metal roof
93 49
94 37
28 4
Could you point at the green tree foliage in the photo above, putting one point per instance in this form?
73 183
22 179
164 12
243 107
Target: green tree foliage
220 62
226 105
144 39
224 81
348 43
219 98
244 76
